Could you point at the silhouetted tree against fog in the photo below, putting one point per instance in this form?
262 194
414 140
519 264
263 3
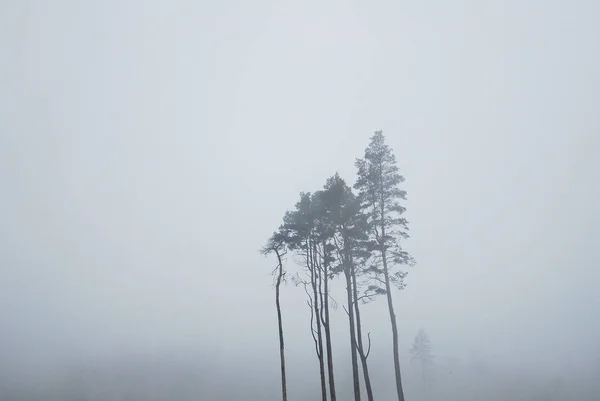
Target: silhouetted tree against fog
421 351
342 208
350 239
378 184
305 239
325 256
276 245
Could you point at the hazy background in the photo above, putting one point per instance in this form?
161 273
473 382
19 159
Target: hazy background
148 149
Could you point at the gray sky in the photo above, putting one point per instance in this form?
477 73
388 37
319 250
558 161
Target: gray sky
147 150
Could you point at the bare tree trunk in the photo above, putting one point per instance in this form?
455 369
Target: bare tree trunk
424 380
361 351
280 324
392 314
318 296
353 351
327 329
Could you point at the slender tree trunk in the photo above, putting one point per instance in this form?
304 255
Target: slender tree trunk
361 350
424 380
318 296
353 351
392 314
280 324
327 329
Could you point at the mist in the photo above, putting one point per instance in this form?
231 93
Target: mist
148 151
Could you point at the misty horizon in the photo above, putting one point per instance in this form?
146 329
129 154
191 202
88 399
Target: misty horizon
148 151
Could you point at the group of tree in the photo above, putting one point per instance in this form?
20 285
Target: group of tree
356 234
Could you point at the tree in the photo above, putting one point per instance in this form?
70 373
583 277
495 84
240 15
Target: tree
378 184
305 240
276 245
421 351
324 251
349 239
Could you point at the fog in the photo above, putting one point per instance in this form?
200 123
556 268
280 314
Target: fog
149 149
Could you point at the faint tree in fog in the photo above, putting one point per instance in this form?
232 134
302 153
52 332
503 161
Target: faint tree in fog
276 245
378 184
421 351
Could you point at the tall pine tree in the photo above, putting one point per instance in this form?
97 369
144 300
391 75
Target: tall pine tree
379 190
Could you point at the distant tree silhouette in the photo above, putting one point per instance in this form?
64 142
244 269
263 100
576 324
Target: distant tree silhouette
421 352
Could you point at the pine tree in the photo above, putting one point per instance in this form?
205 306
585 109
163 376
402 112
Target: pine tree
305 239
421 351
349 238
276 245
378 184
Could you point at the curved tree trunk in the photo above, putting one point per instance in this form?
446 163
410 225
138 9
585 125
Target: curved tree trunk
280 324
390 303
355 378
360 346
